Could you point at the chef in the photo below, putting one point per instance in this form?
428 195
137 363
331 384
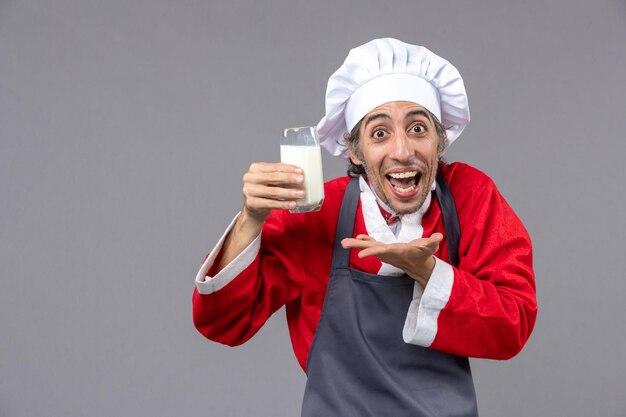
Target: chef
411 266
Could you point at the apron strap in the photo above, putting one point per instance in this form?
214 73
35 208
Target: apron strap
450 219
345 224
347 214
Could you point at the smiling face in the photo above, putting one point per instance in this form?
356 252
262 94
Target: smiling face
398 147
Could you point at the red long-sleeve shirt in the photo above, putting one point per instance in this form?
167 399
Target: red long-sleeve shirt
488 310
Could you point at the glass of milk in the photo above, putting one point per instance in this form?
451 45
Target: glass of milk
300 146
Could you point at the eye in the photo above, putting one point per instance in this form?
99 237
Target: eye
418 129
379 134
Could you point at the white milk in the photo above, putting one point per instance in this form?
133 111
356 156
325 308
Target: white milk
309 158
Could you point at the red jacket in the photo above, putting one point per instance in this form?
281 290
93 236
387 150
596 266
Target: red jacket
490 311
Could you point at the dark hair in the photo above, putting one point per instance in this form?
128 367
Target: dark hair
351 140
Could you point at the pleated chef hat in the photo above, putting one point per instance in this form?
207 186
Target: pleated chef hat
386 70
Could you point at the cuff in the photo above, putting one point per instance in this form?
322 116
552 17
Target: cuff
208 285
420 327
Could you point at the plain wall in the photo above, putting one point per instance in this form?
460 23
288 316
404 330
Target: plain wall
126 126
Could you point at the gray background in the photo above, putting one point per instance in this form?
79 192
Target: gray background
125 128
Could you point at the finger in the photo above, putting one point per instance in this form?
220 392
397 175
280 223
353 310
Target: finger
432 243
274 167
365 237
351 243
381 250
275 178
367 252
257 204
432 240
437 237
273 193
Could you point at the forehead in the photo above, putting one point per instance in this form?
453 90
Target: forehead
396 110
400 106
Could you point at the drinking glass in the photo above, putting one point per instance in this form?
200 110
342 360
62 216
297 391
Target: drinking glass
300 146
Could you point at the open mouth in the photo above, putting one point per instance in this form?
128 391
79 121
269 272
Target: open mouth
404 182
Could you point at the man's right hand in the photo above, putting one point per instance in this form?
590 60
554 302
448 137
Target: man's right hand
266 186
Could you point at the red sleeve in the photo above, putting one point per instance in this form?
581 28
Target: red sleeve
295 251
492 306
236 312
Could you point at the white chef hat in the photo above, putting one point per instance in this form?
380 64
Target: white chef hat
386 70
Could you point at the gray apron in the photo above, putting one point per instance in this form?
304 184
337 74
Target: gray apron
358 364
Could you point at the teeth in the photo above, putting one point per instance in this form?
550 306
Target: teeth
398 175
405 190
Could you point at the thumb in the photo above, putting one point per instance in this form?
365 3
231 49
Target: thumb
433 242
436 237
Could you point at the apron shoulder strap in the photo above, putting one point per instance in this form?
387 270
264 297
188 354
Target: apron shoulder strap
450 218
345 223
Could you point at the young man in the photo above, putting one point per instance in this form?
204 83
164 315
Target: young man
411 265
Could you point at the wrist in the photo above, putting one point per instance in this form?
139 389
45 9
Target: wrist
249 223
430 267
423 274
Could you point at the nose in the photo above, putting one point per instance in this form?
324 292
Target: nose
401 148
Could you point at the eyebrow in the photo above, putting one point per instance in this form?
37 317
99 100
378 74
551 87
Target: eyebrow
376 116
410 114
418 113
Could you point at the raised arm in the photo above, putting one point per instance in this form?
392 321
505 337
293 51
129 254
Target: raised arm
238 289
266 186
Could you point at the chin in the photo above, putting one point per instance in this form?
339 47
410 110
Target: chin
407 206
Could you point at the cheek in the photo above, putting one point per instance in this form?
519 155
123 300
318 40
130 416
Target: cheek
427 152
373 156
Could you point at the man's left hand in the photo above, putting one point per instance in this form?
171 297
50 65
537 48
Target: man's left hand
416 257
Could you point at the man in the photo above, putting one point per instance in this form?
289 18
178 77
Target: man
409 267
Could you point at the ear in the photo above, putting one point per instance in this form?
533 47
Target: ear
442 153
353 158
